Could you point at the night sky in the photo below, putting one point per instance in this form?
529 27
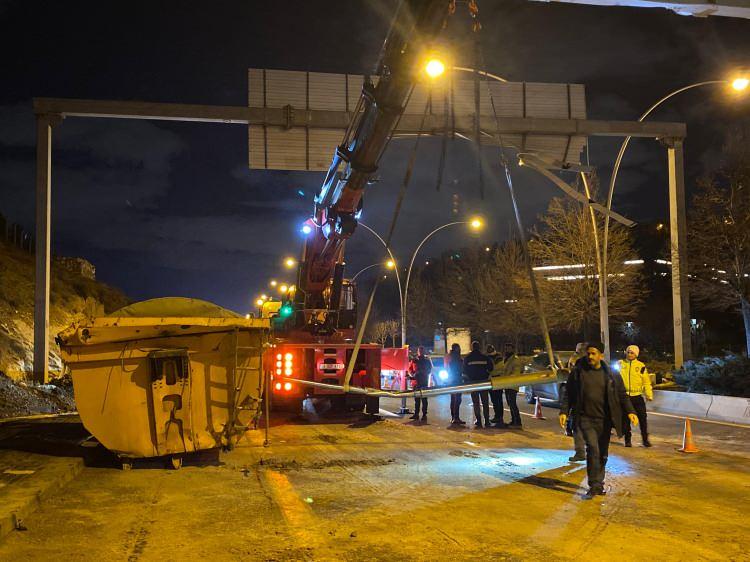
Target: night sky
172 208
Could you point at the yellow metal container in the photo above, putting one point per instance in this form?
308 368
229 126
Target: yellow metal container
167 376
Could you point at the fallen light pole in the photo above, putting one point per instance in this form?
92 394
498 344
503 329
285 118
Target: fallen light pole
494 383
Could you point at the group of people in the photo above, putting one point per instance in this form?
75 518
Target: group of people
596 398
475 367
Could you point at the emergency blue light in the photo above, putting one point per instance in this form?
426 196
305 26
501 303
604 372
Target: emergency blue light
306 229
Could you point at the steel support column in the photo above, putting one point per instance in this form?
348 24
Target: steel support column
678 236
44 124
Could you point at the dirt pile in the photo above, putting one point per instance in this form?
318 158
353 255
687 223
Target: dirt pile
18 398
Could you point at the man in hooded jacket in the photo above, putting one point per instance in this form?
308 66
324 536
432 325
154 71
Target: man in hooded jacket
597 401
454 366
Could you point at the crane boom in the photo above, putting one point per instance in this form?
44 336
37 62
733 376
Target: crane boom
338 203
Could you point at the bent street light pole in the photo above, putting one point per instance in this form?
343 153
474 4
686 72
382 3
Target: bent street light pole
680 295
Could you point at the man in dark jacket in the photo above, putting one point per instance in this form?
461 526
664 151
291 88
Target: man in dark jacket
454 366
597 401
477 368
421 377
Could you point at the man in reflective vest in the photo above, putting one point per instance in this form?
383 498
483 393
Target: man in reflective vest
637 385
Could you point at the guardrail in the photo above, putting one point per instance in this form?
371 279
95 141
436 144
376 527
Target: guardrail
702 406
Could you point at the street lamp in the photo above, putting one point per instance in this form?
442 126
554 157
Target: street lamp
273 283
739 84
475 224
283 289
289 263
390 264
434 67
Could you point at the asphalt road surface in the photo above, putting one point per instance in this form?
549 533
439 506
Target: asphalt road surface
342 488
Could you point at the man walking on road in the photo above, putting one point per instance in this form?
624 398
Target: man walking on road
597 401
421 376
578 442
477 368
454 366
637 383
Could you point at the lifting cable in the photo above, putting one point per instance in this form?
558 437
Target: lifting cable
517 212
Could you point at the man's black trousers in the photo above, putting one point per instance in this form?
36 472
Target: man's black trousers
639 404
455 407
595 432
483 396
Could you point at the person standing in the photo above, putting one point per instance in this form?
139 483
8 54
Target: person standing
637 384
454 366
597 401
422 367
496 394
512 366
477 368
578 442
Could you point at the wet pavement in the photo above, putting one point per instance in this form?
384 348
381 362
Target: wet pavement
344 488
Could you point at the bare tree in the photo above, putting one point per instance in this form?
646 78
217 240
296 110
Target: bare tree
379 332
570 294
719 233
393 327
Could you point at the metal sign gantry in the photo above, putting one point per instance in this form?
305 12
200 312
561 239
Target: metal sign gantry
50 112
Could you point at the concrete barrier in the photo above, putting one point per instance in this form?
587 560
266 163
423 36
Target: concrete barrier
702 406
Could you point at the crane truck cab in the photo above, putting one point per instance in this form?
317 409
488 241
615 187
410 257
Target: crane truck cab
317 345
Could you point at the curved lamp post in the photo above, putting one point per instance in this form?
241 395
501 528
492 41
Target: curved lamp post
739 84
475 224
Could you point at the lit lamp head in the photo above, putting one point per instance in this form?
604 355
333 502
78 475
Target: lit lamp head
306 229
741 83
476 223
390 264
434 67
283 289
259 302
289 263
273 283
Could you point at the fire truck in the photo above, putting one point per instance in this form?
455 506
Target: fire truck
314 326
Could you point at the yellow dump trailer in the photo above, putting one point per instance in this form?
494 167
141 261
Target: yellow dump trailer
166 377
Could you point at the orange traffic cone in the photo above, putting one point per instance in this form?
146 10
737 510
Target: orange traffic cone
538 410
687 440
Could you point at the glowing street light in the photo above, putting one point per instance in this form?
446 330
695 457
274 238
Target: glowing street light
259 302
273 283
283 289
289 263
264 297
434 67
740 83
476 223
306 229
390 264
